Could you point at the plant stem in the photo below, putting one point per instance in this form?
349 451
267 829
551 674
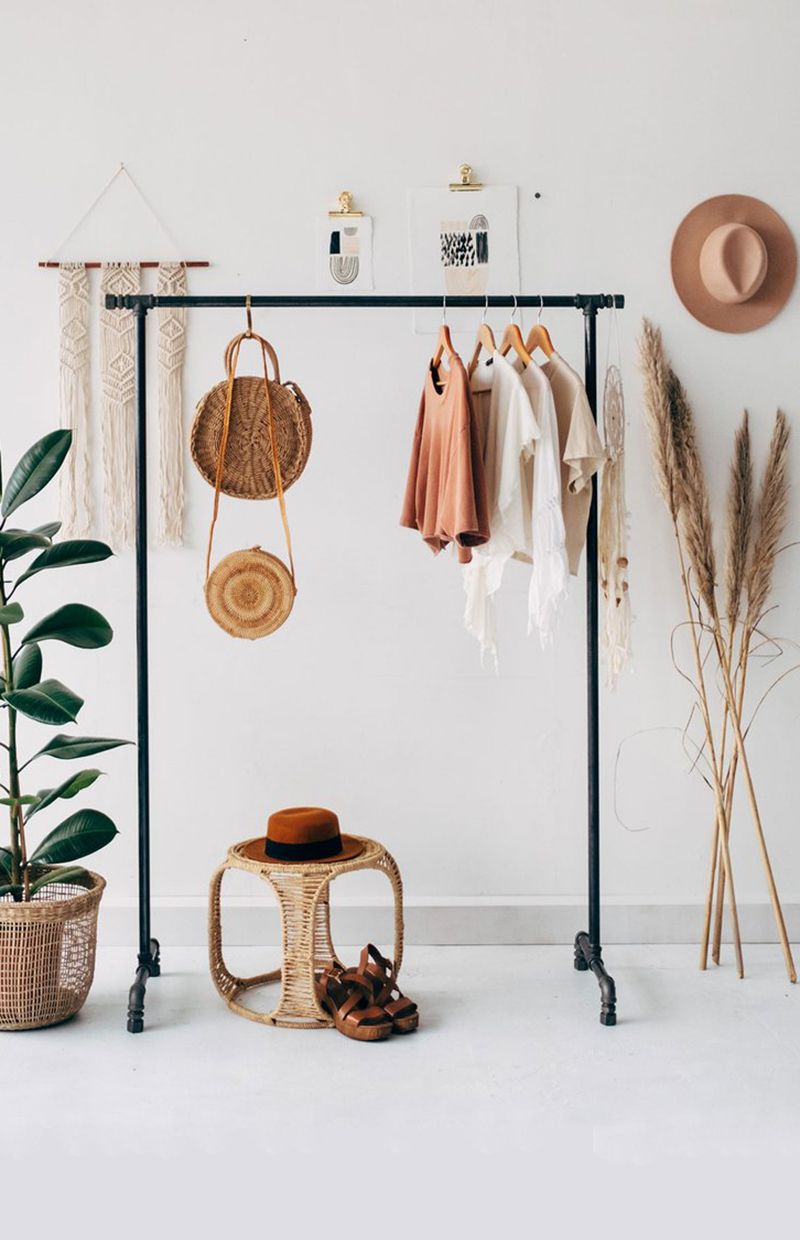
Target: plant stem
751 796
718 794
740 680
19 858
719 875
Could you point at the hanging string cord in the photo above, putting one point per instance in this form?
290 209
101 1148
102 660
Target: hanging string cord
96 202
613 419
613 327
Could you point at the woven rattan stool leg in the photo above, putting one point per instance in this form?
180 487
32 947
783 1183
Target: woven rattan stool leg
229 986
324 951
224 981
388 866
298 896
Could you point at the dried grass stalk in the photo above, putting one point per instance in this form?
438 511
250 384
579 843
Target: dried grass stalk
772 508
739 523
655 371
694 510
671 428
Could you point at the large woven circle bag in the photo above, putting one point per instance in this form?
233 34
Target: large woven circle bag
250 593
248 471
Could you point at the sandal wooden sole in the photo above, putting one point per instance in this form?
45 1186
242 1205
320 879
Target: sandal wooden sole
406 1024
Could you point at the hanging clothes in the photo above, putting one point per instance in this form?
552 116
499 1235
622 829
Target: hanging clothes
580 449
550 577
445 495
510 431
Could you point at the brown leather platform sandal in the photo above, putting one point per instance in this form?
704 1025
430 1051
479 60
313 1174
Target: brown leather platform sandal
348 998
382 979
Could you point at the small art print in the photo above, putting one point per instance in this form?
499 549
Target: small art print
462 244
465 256
345 253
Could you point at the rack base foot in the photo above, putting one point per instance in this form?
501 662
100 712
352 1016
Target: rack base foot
149 966
589 955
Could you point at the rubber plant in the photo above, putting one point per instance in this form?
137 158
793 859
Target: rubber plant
26 691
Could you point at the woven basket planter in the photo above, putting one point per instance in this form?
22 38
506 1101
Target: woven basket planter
47 953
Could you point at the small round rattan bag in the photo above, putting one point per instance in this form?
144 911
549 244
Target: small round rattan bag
250 593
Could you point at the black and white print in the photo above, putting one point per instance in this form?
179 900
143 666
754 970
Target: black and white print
345 253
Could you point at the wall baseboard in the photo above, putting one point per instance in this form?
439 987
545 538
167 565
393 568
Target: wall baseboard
182 922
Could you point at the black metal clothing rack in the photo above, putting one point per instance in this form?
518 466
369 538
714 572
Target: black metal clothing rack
588 950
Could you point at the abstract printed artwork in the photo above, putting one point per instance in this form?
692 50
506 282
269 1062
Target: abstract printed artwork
462 244
345 253
465 255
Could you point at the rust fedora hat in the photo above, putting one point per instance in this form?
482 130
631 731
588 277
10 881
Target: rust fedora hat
733 263
303 834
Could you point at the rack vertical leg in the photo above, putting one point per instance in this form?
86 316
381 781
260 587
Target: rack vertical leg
149 958
588 951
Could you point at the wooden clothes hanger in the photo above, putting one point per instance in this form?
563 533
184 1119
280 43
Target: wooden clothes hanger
485 341
512 339
539 337
444 343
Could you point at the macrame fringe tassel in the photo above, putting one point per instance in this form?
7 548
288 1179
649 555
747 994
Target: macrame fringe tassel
171 353
118 387
75 483
615 635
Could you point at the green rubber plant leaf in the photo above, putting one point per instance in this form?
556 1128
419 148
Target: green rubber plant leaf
70 788
12 613
49 530
14 543
76 624
68 875
47 702
27 667
64 746
9 889
64 554
77 836
26 800
36 468
5 863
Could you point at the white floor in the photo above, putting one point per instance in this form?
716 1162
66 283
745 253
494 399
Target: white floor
511 1105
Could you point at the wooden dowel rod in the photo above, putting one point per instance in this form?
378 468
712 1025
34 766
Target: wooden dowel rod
194 262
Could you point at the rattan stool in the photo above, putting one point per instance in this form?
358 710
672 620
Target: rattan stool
303 899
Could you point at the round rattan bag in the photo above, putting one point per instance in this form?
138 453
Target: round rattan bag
250 593
248 472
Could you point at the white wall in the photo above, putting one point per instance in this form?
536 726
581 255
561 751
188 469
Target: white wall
241 122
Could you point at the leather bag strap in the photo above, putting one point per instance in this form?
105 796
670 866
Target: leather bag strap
231 362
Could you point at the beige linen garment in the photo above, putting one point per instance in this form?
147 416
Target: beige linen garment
581 450
446 490
509 433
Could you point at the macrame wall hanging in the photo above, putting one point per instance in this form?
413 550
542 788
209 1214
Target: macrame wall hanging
615 631
117 428
118 392
171 351
73 303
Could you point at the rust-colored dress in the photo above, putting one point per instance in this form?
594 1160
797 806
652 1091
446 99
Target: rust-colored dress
446 490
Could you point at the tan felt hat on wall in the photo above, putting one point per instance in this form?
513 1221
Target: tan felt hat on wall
733 263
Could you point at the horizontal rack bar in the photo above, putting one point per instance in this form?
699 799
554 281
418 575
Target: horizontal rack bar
577 301
150 262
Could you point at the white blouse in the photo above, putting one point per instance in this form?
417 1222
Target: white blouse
510 430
